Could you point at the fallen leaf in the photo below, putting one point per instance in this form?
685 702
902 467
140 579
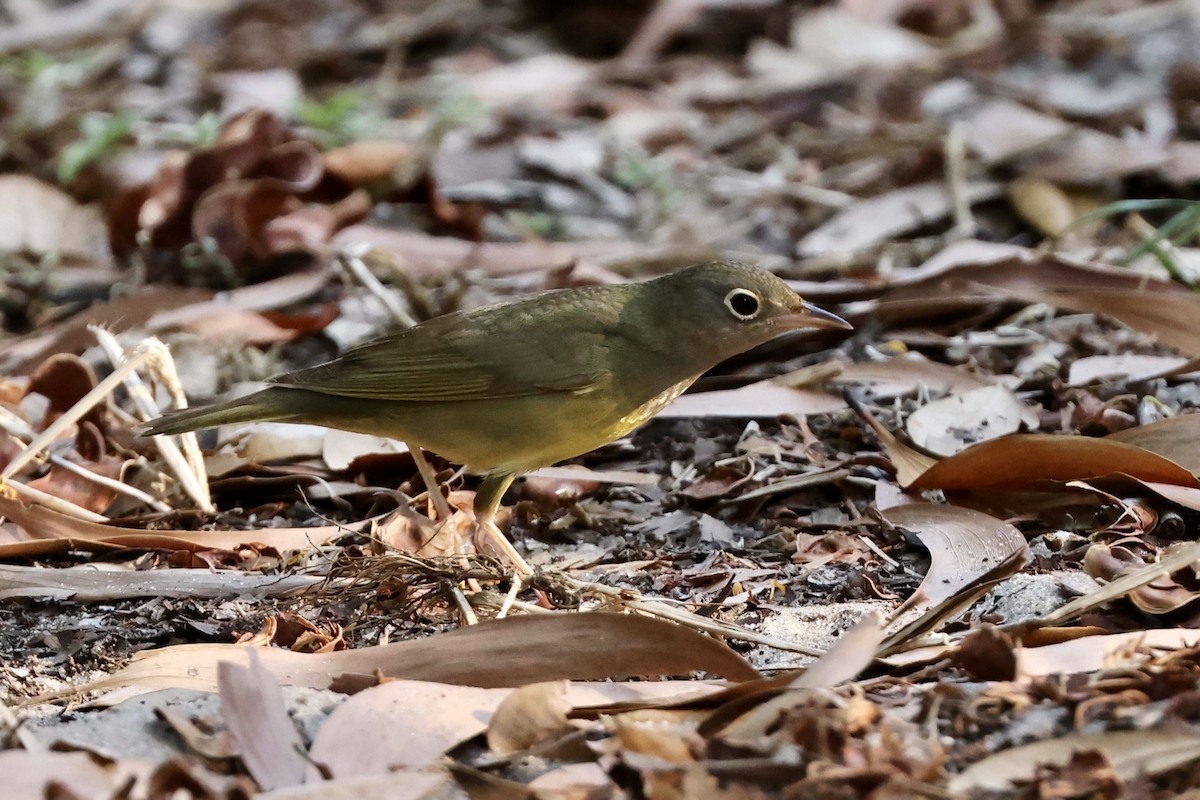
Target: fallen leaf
1094 653
1131 753
877 219
47 531
950 425
1125 367
253 709
1108 563
764 399
965 547
369 161
1174 438
92 582
40 219
509 652
33 775
398 785
908 372
401 724
530 715
1020 461
1000 130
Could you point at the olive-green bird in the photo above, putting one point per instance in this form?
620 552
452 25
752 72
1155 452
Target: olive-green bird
518 386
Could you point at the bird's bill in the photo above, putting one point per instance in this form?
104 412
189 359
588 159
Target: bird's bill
810 316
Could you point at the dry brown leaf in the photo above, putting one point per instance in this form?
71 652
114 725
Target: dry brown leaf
340 449
29 775
965 548
1160 596
585 776
369 161
253 709
1020 461
1175 438
48 531
409 532
1186 496
549 80
950 425
851 654
420 255
1093 653
908 462
1175 558
1127 367
908 372
763 399
972 273
158 309
1092 157
530 715
401 724
877 219
243 327
510 652
1166 314
38 218
397 785
1002 129
1131 753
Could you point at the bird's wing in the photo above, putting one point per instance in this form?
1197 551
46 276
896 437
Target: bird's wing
472 357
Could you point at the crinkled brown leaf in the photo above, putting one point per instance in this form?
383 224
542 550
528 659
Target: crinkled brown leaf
510 652
1022 460
965 547
48 531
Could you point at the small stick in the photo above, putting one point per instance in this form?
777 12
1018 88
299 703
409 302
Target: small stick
188 463
440 504
74 413
54 503
464 607
509 598
955 147
659 609
352 259
109 483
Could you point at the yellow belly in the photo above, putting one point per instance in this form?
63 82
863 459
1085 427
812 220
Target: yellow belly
504 434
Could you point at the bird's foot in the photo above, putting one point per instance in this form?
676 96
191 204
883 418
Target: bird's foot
487 536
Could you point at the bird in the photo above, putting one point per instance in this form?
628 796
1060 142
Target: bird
513 387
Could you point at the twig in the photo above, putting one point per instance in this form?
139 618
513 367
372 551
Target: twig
440 504
14 728
187 463
464 607
631 598
109 483
53 502
73 414
956 180
805 481
352 259
510 598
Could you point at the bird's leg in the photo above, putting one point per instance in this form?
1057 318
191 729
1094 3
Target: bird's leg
440 503
487 503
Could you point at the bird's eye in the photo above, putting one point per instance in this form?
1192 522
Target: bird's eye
743 304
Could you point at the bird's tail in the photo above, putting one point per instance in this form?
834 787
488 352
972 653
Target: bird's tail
258 407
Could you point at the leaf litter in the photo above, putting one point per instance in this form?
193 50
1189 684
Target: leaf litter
1001 459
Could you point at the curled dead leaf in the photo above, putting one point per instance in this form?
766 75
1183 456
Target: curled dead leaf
530 715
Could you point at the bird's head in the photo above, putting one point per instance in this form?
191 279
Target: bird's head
733 307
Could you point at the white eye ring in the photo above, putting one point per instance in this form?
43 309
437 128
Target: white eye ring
743 304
